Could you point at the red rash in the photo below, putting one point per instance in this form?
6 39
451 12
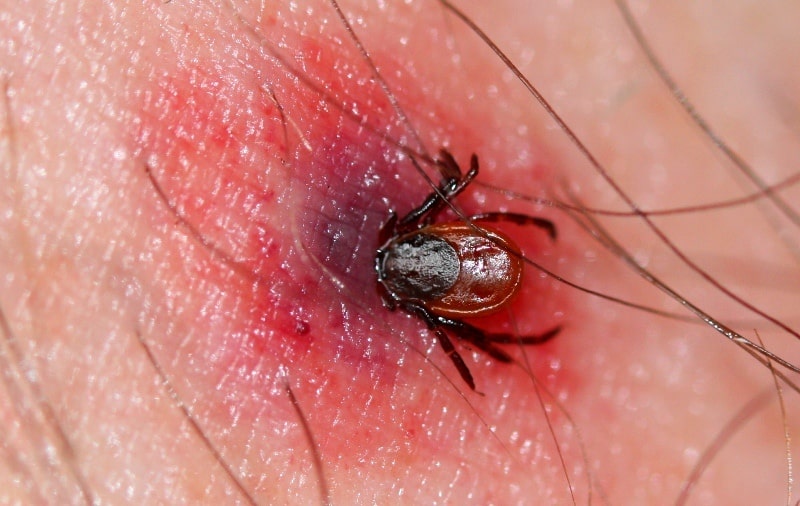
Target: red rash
270 199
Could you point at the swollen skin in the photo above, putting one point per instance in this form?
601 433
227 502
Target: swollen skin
273 244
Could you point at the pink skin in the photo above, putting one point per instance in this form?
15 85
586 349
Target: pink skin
228 283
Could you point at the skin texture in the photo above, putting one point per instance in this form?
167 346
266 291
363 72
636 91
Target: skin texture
153 319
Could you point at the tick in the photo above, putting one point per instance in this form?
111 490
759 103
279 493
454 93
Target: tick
446 271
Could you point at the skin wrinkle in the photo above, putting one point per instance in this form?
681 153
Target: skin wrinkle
654 392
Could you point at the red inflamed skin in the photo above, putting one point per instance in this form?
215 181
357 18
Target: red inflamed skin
204 299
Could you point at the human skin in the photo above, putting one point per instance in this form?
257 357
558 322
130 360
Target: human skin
186 231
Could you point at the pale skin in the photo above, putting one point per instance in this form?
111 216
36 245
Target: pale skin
106 294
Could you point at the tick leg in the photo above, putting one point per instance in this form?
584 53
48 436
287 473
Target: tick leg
389 228
448 166
434 323
429 208
448 163
451 352
519 219
526 340
452 184
485 341
474 336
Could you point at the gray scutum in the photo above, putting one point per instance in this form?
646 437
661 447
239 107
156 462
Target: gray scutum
422 266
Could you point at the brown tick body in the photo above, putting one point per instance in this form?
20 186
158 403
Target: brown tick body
442 272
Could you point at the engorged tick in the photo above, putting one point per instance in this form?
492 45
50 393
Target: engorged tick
442 272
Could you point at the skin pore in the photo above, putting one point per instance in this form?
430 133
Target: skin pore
191 198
